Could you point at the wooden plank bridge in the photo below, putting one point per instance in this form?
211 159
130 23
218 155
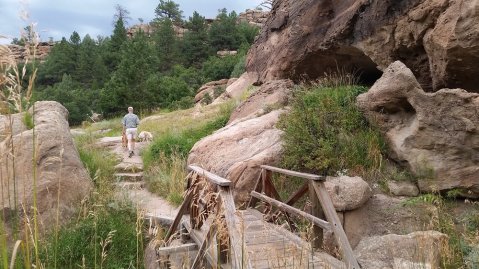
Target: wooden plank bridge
225 237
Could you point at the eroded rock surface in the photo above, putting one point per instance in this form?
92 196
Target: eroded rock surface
237 150
437 39
382 215
415 250
272 95
61 180
435 134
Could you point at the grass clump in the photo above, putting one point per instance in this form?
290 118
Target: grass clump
325 133
105 238
99 163
165 158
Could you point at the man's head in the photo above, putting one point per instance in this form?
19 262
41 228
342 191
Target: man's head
130 109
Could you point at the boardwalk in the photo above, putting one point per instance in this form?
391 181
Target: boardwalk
224 237
267 245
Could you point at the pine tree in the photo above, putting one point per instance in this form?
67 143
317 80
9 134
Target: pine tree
168 9
195 45
223 33
166 45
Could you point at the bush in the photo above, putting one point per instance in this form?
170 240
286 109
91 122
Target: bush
239 68
216 68
325 133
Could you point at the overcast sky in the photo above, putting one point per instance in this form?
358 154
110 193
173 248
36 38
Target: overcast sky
58 18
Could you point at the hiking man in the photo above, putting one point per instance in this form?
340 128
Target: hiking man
130 123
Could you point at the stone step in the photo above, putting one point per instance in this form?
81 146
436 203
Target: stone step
133 177
129 167
130 185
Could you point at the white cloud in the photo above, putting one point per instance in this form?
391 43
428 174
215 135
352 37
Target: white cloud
57 18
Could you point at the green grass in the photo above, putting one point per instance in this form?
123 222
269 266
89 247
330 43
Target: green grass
165 158
325 133
80 243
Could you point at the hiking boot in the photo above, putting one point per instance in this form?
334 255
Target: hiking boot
131 154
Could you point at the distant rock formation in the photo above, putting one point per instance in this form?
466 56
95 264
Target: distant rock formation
437 39
61 179
436 135
254 17
21 54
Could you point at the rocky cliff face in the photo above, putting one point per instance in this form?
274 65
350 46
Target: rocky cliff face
21 54
437 39
61 180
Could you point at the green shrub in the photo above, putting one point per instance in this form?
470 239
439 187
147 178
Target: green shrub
325 132
216 68
239 68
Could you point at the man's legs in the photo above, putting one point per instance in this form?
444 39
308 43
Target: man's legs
130 134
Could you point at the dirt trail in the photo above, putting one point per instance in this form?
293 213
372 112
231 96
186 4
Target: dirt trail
130 184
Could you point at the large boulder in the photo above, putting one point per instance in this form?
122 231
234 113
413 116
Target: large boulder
237 151
435 134
347 193
56 171
383 214
415 250
270 96
438 39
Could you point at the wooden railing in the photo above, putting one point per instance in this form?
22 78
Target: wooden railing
321 206
222 206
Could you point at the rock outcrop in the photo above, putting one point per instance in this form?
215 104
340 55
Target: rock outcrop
383 214
61 180
237 151
213 88
415 250
436 135
21 54
254 17
272 95
437 39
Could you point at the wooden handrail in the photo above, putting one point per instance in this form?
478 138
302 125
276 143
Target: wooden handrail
293 173
210 176
289 209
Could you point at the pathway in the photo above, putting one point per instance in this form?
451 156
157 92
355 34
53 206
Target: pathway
130 183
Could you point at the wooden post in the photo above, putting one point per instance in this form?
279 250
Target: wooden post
338 231
317 211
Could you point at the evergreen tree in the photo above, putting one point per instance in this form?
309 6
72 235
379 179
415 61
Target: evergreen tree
60 61
223 33
195 45
119 36
168 9
90 67
126 86
166 45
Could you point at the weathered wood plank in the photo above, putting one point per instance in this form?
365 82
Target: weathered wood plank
289 209
317 211
239 257
293 173
204 245
297 195
257 187
175 249
215 179
338 231
182 211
